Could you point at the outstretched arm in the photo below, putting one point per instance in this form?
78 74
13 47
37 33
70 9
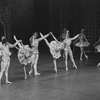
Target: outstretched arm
17 42
45 39
75 37
10 45
54 37
45 36
76 40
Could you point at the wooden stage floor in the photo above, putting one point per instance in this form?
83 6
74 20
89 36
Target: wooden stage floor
80 84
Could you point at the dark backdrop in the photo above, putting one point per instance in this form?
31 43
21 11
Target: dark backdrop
28 16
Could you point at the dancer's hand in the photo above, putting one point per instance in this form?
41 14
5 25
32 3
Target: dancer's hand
15 38
41 34
50 33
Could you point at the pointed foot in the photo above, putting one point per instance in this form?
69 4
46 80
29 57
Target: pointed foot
75 66
37 73
30 72
86 57
8 82
55 70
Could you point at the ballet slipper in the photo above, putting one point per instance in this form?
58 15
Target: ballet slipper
75 66
8 82
86 57
66 68
81 59
30 72
55 69
25 76
36 73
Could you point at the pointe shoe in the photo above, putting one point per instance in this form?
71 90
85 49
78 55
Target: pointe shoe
37 73
55 70
75 66
86 57
30 72
81 59
66 69
26 77
8 82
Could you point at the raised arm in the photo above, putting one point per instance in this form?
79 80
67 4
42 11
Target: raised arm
75 37
45 36
54 37
18 42
76 40
45 39
11 45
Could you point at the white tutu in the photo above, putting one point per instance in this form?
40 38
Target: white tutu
82 44
24 55
55 49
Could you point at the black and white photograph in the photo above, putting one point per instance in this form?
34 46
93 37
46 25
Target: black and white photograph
49 49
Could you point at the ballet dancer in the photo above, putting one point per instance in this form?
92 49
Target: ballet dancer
34 41
55 49
83 42
67 49
5 61
24 54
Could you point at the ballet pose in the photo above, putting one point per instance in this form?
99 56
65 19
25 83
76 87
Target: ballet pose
55 49
83 42
34 46
24 54
5 61
67 49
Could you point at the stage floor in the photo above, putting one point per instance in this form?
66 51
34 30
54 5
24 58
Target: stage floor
75 84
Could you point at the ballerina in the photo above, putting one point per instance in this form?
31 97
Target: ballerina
34 41
5 54
55 49
67 49
83 42
24 54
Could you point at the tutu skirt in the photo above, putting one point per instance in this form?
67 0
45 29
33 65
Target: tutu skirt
82 44
55 49
24 55
23 58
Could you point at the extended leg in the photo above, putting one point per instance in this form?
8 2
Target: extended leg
33 57
6 72
85 55
25 71
55 65
72 58
35 65
66 57
31 70
81 49
2 69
